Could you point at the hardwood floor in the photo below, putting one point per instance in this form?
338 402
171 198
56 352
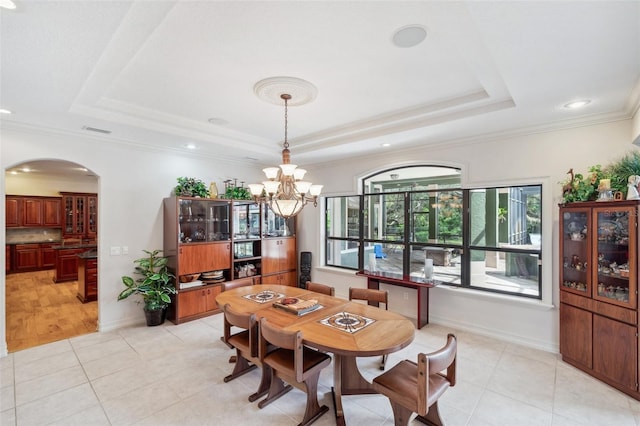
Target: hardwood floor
40 311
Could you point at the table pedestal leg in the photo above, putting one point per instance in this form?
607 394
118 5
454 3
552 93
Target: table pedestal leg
347 380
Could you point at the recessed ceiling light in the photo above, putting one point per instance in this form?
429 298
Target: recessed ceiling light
386 145
26 169
7 4
5 111
190 146
409 36
14 172
577 104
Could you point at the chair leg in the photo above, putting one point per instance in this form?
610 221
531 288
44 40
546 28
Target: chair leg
401 415
277 388
265 381
432 418
383 362
313 410
242 367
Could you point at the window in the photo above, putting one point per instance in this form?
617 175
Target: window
416 218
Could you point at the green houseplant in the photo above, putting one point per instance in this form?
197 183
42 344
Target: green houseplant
154 284
191 187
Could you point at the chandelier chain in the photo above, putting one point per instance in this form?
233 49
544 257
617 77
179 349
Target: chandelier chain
286 119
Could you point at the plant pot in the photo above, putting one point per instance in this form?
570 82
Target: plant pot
156 317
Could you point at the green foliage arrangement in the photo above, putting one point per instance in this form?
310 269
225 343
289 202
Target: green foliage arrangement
154 282
619 171
191 187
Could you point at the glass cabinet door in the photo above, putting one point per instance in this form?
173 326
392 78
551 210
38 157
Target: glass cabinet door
277 226
246 220
202 220
615 246
574 244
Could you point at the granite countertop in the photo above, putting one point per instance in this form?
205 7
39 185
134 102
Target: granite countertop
75 246
48 241
90 254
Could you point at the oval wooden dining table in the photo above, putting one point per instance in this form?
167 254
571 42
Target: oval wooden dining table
346 329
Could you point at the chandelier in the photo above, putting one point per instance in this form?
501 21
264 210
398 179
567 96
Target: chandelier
284 190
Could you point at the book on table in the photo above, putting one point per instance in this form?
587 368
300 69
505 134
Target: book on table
297 306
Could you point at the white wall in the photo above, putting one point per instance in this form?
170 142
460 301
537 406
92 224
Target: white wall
132 185
539 158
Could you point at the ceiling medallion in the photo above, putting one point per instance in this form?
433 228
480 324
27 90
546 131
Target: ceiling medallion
271 90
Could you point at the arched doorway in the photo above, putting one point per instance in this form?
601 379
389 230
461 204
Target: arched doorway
41 304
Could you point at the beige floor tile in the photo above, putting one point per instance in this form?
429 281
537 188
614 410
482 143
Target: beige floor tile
57 406
49 384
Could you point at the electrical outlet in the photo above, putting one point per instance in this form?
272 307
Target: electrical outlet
115 251
125 250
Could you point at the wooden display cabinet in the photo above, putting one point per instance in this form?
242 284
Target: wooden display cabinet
196 239
598 291
247 241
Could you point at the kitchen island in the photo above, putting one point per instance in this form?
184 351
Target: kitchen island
88 276
67 260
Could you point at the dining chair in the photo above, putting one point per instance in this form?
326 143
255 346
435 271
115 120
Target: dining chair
245 343
321 288
228 285
373 297
292 365
416 387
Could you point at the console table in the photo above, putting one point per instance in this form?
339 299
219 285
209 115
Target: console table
420 284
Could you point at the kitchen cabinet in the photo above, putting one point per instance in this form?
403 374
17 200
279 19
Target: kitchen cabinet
27 257
598 291
12 211
80 216
67 263
7 258
33 211
47 256
87 277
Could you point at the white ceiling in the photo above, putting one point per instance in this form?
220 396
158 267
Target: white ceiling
154 72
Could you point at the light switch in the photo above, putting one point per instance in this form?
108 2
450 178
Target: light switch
115 251
125 250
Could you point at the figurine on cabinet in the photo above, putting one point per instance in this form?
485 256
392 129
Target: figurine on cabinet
632 187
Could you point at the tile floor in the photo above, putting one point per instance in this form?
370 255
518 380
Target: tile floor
172 375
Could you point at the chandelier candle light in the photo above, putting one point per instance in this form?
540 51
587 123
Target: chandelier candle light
286 192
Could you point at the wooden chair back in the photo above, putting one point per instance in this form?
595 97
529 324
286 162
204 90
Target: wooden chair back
233 318
321 288
416 387
291 340
228 285
434 363
369 295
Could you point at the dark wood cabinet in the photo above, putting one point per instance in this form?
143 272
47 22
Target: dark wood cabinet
7 258
67 263
598 291
80 215
87 279
27 257
47 256
33 211
198 302
12 211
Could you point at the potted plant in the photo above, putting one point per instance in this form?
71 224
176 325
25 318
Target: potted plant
154 284
191 187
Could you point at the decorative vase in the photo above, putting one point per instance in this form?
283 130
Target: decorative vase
156 317
213 190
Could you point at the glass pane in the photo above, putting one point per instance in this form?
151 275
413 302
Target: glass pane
342 253
446 214
342 217
576 251
412 178
506 272
385 213
387 257
443 264
613 255
506 217
420 216
277 226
